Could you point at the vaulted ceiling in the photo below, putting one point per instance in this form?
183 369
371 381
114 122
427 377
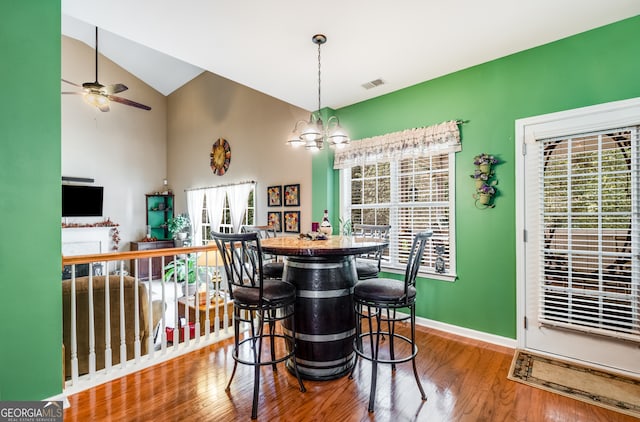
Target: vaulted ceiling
266 45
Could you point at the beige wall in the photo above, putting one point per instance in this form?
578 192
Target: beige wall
130 151
124 149
256 127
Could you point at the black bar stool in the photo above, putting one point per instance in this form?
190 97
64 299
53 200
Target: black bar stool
257 302
270 265
379 299
368 265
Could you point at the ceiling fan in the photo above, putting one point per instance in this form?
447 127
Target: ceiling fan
99 95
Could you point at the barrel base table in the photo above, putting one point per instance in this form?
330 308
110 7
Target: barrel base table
324 274
324 314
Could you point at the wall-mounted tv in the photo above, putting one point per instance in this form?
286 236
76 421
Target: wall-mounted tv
82 201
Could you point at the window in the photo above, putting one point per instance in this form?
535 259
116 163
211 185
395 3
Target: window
225 225
410 194
589 249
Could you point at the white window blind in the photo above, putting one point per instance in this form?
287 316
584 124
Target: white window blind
589 231
423 204
410 194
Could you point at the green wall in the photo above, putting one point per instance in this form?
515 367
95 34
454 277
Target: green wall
594 67
30 299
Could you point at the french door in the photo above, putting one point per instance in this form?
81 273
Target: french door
578 263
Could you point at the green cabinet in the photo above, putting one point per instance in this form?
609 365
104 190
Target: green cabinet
159 211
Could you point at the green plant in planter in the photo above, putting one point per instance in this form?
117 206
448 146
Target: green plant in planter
183 268
177 224
347 229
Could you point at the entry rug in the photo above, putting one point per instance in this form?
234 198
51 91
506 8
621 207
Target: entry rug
590 385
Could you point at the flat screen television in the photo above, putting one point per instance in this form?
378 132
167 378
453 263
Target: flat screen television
82 201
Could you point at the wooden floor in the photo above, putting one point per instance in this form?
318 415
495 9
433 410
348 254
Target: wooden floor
465 380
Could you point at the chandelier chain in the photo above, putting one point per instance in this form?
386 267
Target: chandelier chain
319 84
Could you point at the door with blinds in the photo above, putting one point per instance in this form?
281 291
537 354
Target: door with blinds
581 247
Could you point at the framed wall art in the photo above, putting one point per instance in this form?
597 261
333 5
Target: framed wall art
274 219
274 196
292 221
292 195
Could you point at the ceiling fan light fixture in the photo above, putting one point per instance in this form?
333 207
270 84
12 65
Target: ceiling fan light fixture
100 96
96 99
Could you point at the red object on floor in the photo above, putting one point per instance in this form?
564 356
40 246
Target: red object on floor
192 332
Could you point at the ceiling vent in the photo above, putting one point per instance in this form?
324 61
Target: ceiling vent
373 84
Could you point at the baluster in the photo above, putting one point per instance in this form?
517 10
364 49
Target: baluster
176 318
123 344
92 331
136 317
107 323
74 337
196 302
163 321
225 296
207 321
150 327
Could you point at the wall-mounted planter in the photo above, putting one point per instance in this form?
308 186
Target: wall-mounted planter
484 180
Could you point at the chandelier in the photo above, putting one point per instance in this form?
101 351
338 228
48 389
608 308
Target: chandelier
314 133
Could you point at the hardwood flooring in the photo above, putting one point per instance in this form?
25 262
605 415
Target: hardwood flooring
465 380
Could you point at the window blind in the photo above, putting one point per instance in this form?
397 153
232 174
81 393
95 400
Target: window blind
422 203
589 231
412 195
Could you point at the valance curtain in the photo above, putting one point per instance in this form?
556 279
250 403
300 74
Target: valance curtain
195 200
418 142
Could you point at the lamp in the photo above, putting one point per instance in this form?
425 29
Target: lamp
312 134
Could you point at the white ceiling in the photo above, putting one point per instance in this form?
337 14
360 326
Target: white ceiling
266 45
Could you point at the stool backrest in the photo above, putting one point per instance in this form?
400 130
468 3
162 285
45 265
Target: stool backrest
415 257
264 232
242 257
373 231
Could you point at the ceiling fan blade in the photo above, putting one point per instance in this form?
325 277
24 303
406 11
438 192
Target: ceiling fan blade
113 89
71 83
128 102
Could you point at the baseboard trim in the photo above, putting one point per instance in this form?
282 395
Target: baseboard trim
60 397
467 332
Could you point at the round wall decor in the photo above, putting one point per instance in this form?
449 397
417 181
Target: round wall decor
220 156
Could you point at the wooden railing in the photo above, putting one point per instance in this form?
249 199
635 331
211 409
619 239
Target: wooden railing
151 320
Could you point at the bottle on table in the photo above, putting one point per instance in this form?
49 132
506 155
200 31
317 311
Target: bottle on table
325 225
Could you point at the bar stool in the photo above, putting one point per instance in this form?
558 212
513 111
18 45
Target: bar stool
257 302
368 266
271 266
379 299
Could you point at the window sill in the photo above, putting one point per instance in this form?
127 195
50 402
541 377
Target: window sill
433 276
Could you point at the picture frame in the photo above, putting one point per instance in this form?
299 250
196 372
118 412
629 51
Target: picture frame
292 195
274 219
274 196
292 221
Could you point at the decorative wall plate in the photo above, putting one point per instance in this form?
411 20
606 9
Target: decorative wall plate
220 156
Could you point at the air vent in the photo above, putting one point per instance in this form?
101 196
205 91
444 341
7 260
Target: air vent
373 84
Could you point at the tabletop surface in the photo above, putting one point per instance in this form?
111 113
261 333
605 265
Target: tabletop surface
334 245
